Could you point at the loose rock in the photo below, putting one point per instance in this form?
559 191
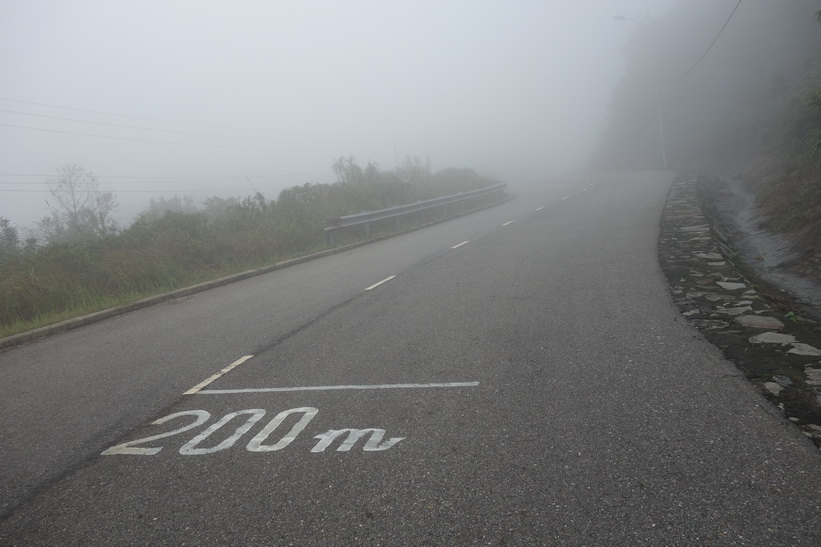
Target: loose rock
813 375
759 322
734 311
782 380
772 338
805 349
731 286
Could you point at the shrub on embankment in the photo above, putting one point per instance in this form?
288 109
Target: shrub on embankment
41 284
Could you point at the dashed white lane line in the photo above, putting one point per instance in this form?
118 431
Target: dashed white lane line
565 197
375 285
459 245
508 222
540 208
584 189
210 379
334 388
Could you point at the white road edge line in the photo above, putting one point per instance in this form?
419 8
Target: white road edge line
210 379
463 243
375 285
332 388
508 222
540 208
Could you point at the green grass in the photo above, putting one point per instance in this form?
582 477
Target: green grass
49 284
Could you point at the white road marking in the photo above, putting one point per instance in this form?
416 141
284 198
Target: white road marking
565 197
463 243
256 443
374 443
540 208
190 448
332 388
508 222
210 379
375 285
584 189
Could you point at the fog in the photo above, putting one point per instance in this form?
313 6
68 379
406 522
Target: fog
266 95
722 109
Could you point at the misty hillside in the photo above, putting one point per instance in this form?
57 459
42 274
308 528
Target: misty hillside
749 108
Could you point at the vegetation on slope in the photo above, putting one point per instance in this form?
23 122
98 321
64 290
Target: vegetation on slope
83 265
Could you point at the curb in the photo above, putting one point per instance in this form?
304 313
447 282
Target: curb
76 322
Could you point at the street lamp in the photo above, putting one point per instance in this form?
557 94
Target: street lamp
649 22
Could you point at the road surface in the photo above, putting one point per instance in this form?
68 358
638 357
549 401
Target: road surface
517 376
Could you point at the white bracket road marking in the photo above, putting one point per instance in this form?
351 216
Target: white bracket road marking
540 208
463 243
210 379
332 388
508 222
375 285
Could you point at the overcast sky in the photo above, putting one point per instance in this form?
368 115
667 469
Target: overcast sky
275 91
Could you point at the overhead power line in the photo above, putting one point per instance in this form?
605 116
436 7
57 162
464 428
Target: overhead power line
137 127
711 44
126 182
133 139
164 176
163 190
129 116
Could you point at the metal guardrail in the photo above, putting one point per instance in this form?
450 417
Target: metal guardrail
367 218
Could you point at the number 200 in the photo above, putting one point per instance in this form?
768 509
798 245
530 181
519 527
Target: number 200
257 444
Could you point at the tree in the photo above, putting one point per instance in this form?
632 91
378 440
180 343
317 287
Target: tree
9 239
216 206
371 174
348 171
79 210
157 208
413 170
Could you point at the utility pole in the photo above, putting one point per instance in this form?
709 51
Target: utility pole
650 22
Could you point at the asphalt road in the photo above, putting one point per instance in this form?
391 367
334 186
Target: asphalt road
534 385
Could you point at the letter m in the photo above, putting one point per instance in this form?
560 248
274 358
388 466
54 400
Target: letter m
373 444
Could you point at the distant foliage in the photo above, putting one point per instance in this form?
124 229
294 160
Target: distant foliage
79 210
9 240
176 204
85 259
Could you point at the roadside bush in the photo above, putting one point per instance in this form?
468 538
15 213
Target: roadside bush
168 247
